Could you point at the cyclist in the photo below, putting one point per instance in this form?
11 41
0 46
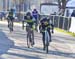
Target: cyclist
35 15
45 23
10 18
29 20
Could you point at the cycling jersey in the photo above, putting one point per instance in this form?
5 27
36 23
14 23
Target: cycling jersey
45 24
29 21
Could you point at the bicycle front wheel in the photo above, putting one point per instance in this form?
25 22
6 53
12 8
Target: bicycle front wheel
46 41
46 47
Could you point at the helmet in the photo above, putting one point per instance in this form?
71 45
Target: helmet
28 14
34 9
45 19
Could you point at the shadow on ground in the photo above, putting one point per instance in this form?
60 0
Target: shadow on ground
40 51
5 43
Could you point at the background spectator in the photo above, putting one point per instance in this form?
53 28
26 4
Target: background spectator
73 13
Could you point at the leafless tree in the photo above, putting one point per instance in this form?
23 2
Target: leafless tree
62 6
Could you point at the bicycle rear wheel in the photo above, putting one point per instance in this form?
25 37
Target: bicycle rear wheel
32 38
10 26
28 39
46 47
29 36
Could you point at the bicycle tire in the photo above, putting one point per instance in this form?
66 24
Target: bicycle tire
23 25
32 39
28 43
46 41
10 26
29 38
46 47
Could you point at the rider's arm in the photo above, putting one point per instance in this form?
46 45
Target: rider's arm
52 25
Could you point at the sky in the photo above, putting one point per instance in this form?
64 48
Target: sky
71 3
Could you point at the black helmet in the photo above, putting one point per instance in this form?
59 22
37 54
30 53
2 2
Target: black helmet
44 19
28 14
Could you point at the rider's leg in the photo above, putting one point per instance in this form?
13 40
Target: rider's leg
33 38
49 34
27 30
52 28
43 39
8 22
12 25
36 25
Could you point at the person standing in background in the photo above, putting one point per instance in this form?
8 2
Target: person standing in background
73 13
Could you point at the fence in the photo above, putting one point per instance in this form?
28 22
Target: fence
61 22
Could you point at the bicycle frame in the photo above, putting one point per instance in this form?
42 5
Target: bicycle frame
10 25
29 36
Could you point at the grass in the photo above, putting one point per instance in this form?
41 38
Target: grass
66 32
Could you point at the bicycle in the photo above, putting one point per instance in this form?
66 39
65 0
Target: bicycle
30 36
10 25
47 40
